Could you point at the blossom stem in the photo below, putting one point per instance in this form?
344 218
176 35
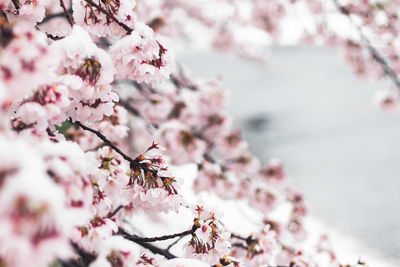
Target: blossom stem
109 15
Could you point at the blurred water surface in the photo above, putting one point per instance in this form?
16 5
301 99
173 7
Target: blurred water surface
305 107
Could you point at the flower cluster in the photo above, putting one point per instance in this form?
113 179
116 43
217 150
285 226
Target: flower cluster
209 242
142 56
259 248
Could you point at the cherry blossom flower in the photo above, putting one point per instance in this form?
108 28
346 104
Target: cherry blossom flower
209 242
143 56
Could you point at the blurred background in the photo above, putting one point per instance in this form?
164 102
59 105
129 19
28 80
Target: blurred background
304 106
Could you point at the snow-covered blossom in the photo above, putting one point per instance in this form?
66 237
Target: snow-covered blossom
42 192
90 71
46 107
143 56
69 182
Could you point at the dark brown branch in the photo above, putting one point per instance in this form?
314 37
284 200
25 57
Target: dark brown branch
52 37
67 14
149 246
133 162
239 245
158 238
52 16
112 214
84 258
109 15
238 237
16 4
371 49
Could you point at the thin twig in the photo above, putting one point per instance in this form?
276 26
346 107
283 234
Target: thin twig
238 237
112 214
67 14
111 16
133 162
239 245
174 243
52 16
149 246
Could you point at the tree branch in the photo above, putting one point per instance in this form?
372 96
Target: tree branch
16 4
150 247
67 14
133 162
111 16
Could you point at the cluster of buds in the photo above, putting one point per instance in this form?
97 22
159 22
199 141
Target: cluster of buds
158 61
227 261
151 170
89 71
